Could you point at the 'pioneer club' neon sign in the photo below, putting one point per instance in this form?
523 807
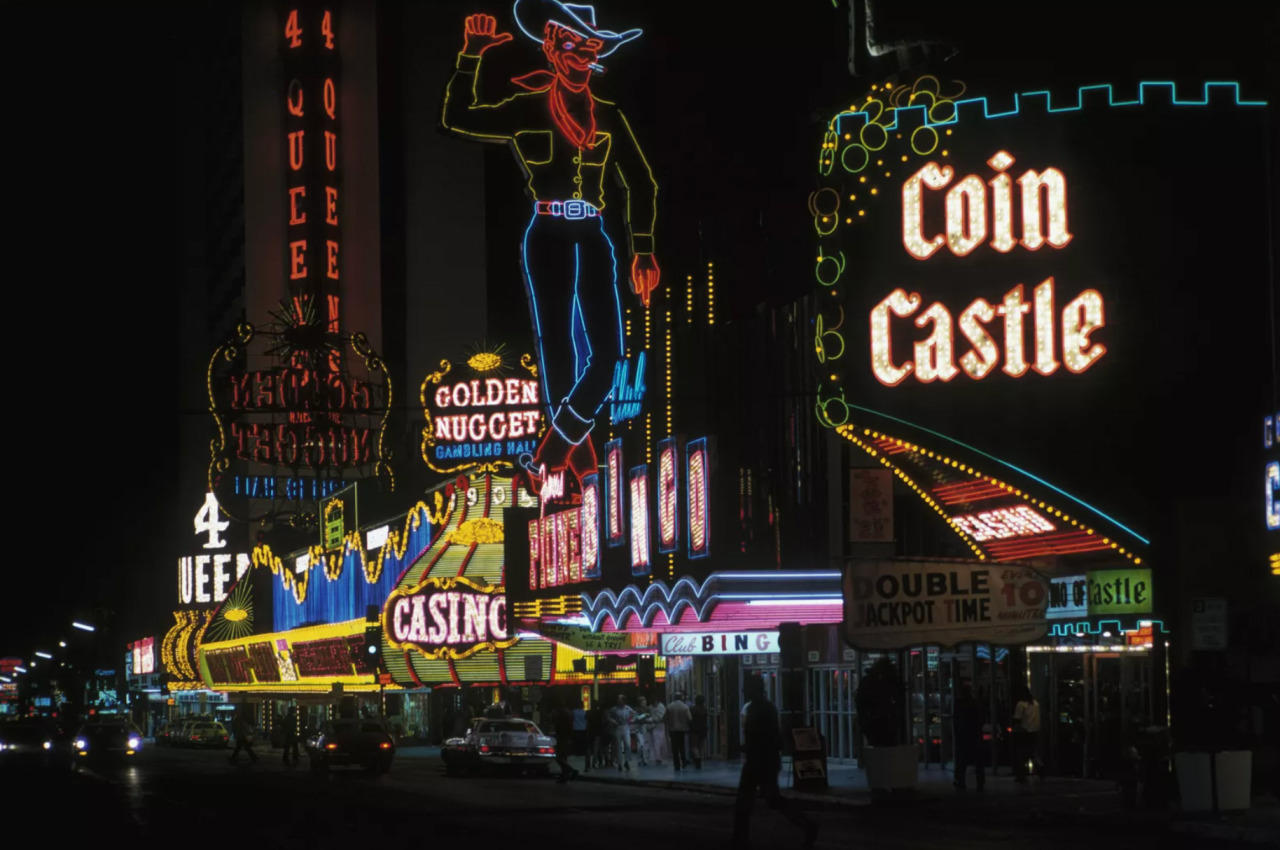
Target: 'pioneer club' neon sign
979 212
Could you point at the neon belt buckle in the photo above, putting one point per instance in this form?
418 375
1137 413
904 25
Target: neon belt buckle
554 207
575 209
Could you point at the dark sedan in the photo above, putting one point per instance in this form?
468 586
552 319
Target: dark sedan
107 740
359 743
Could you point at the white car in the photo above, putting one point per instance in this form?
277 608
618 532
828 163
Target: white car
513 743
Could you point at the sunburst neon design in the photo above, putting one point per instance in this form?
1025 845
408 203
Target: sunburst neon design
302 335
234 617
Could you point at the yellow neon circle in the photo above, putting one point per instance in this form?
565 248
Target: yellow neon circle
859 161
874 137
924 140
942 112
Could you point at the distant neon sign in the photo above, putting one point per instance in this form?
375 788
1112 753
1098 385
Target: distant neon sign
589 523
1271 473
1003 523
698 478
614 492
668 525
639 487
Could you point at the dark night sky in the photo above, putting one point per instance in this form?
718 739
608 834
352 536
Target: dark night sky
91 194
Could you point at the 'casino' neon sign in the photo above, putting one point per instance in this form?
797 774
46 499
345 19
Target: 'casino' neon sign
978 212
1003 523
447 618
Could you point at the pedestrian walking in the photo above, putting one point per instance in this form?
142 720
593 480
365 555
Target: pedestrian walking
677 720
621 716
1026 732
581 738
598 746
698 730
243 729
290 729
641 726
562 718
967 718
658 746
763 751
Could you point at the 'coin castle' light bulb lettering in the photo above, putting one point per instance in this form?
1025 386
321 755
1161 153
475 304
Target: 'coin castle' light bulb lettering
978 212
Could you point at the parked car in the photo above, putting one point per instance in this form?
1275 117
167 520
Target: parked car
167 735
511 743
107 739
362 743
205 733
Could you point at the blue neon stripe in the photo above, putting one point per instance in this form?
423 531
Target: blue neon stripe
1017 469
971 104
547 401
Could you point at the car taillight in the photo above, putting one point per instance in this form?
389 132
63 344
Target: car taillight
385 745
484 748
331 746
546 750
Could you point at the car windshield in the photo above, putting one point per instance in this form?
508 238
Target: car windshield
371 727
103 731
510 726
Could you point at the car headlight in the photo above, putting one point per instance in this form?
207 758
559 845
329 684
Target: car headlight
48 745
2 746
134 743
81 744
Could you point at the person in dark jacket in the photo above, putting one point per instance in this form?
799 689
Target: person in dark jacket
562 717
291 732
968 718
762 748
698 729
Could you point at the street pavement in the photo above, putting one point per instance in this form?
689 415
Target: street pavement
1047 800
197 798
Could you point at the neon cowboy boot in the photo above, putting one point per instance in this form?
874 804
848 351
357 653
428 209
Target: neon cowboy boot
582 459
551 456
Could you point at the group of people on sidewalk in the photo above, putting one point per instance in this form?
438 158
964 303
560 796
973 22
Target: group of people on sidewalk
674 732
664 729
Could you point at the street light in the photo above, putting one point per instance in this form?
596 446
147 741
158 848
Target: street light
84 627
21 669
44 655
62 643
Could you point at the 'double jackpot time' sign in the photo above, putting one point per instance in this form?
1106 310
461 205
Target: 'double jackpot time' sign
897 604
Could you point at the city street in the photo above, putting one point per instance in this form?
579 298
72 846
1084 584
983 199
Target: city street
198 797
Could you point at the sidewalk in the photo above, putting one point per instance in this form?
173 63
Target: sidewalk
1050 801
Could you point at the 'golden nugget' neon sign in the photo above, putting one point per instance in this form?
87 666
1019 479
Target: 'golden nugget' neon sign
978 212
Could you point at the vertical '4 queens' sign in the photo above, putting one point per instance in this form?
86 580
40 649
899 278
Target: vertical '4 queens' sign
312 175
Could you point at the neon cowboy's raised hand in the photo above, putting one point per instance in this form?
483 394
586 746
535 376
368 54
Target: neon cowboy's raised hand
644 276
481 33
